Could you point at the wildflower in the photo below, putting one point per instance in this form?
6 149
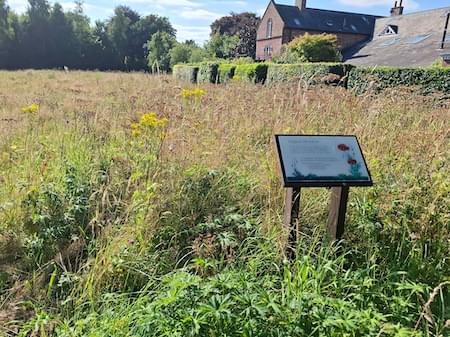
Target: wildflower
136 133
151 120
31 109
196 93
135 126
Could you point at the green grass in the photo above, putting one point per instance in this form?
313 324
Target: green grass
114 225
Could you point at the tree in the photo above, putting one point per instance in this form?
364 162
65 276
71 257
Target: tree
222 46
180 53
121 32
46 36
6 35
314 48
62 37
159 48
37 41
244 26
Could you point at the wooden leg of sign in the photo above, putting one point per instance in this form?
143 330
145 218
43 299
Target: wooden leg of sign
338 208
291 215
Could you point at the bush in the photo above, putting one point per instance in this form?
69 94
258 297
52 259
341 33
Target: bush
429 80
226 72
311 73
254 73
315 48
186 72
208 73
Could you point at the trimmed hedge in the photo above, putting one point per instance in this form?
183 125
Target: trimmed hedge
208 73
359 79
377 79
226 72
311 73
186 72
254 73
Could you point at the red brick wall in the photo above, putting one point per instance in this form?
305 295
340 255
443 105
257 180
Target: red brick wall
277 32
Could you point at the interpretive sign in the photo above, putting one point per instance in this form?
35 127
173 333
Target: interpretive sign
322 161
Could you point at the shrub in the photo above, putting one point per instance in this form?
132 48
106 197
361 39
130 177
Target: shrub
226 72
311 73
186 72
377 79
254 73
208 73
315 48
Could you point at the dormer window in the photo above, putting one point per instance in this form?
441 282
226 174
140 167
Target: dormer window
269 28
390 30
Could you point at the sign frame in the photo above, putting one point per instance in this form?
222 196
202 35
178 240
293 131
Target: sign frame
321 183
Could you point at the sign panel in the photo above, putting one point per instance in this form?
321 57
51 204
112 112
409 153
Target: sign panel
322 161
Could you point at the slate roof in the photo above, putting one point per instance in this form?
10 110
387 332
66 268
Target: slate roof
326 20
418 42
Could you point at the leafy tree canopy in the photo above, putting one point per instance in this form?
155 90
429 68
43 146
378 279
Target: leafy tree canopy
243 26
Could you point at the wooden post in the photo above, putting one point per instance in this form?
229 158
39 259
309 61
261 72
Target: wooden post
338 208
291 215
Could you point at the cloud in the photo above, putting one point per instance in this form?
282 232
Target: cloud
199 14
198 33
408 4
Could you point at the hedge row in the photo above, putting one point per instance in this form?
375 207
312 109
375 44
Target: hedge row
358 79
310 73
377 79
187 73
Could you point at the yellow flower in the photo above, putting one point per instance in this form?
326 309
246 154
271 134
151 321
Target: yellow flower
31 109
151 120
135 126
136 133
197 93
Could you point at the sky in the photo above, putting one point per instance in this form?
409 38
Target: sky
192 18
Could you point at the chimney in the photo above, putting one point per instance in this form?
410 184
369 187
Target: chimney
300 4
397 10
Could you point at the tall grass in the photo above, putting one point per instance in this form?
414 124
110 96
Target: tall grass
115 225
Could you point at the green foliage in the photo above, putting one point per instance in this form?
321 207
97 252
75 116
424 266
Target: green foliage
54 218
226 72
243 25
222 46
254 73
208 72
310 73
208 217
377 79
313 48
186 73
46 36
159 48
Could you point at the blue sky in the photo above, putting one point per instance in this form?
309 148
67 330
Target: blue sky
192 18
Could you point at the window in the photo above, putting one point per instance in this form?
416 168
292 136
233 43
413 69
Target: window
390 30
269 28
418 38
268 51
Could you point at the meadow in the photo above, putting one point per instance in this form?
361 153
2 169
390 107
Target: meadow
137 205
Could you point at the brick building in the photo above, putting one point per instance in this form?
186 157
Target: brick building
280 24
